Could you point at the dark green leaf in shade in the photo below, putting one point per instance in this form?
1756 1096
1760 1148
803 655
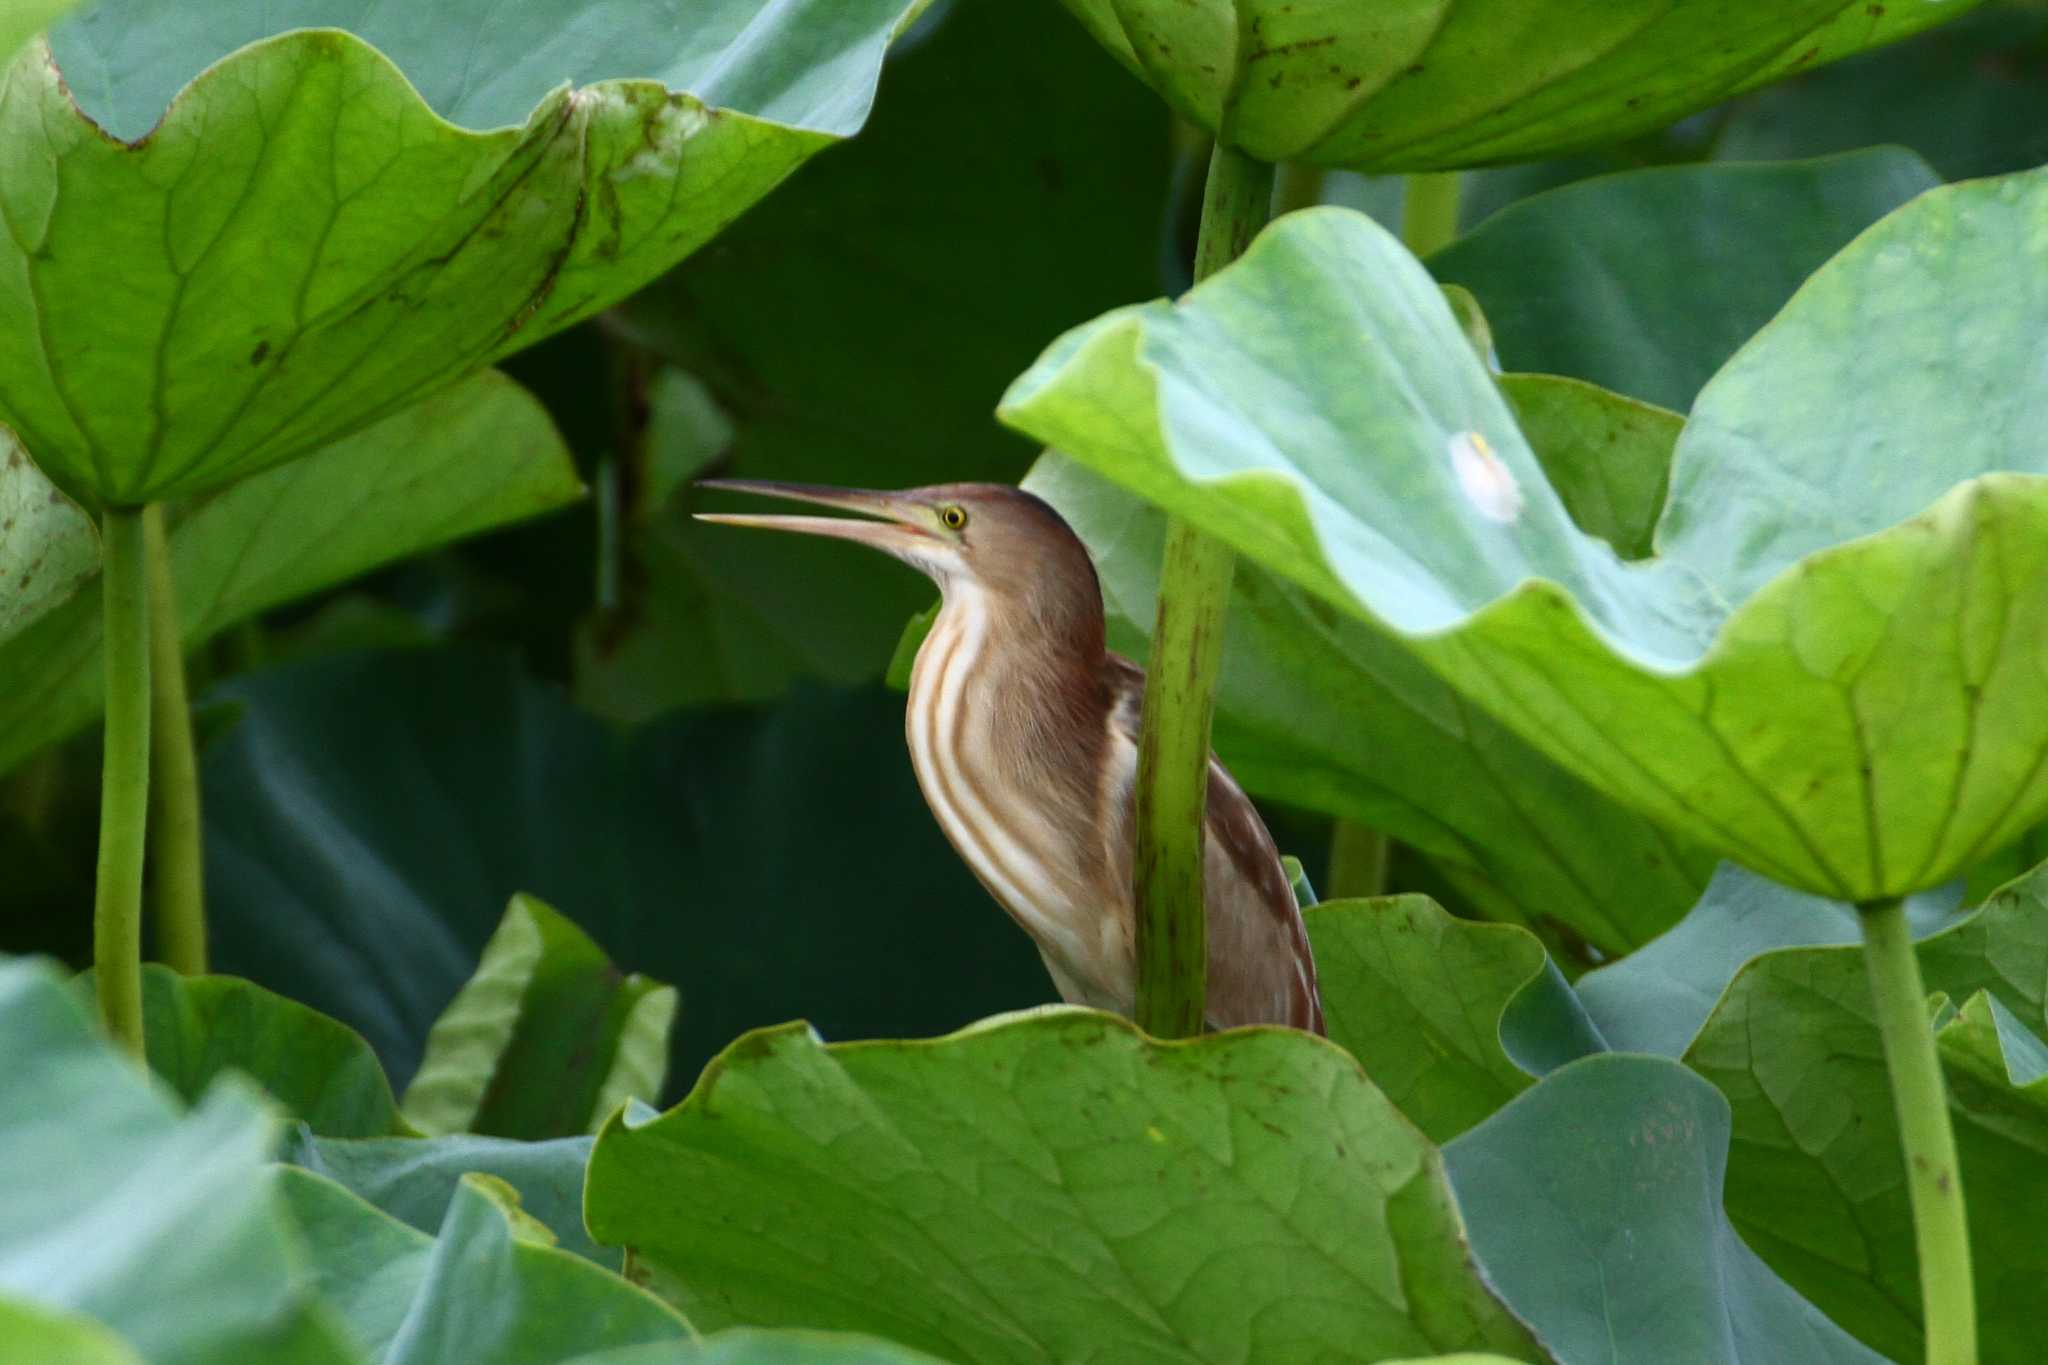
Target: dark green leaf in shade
1971 97
1440 85
48 546
1608 457
1816 1180
1647 281
1594 1202
370 816
475 456
920 296
299 243
491 1286
320 1070
1322 710
1417 997
545 1039
117 1205
414 1179
1051 1185
1656 998
1818 679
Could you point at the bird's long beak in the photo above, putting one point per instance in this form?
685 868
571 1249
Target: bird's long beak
901 527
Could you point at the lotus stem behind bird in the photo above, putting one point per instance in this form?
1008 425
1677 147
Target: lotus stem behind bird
1023 730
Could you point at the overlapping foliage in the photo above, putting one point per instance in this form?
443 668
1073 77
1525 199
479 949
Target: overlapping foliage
1730 585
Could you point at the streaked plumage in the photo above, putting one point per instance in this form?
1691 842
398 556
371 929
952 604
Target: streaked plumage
1023 731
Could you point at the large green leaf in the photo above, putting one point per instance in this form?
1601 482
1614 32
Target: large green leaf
321 1071
491 1286
475 456
1595 1207
415 1179
921 295
1054 1185
749 1346
26 18
370 816
1843 702
1322 710
1437 84
1647 281
1417 997
1656 998
307 240
1817 1180
47 545
116 1205
545 1039
1608 456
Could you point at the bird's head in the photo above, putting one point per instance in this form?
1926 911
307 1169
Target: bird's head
990 536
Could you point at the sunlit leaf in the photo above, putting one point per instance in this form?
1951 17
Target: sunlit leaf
1852 713
1054 1185
1434 85
47 544
315 232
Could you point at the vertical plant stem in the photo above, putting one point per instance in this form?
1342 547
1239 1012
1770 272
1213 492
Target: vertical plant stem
1359 855
1180 687
1933 1179
176 856
1429 211
1297 186
124 789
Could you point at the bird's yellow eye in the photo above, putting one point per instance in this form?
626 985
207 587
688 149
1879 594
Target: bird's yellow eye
953 516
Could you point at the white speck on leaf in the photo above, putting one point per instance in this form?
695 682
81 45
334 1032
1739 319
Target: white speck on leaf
1485 478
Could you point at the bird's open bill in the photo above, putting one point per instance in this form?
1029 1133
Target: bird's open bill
902 525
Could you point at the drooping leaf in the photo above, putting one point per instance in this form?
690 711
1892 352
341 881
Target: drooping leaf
475 456
305 240
1816 1179
1319 709
319 1069
545 1039
1817 678
47 545
1594 1202
1051 1185
1417 997
369 817
414 1179
749 1346
1647 281
490 1286
117 1206
921 295
1656 998
1439 85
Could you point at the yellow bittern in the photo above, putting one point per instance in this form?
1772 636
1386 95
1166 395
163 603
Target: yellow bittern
1023 730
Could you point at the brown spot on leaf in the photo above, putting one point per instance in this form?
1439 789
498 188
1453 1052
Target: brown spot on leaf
260 354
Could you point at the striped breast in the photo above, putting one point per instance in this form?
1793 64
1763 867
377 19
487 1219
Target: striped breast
989 815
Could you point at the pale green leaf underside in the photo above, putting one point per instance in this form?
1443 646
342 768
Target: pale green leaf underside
1853 713
23 19
117 1205
1817 1180
1051 1186
489 1286
1440 84
474 456
303 244
47 545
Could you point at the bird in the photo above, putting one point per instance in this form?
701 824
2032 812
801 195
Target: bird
1023 732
